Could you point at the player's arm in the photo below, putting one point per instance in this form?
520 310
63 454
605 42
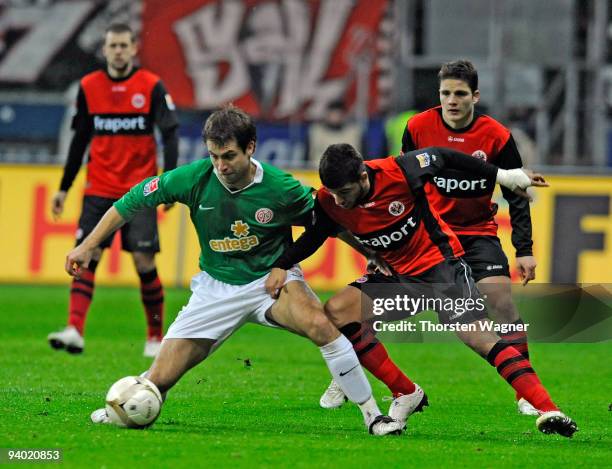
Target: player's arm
318 229
520 215
375 261
420 166
83 130
80 256
407 140
164 116
170 187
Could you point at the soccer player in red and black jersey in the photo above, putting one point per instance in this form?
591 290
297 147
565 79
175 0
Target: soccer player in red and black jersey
464 200
116 111
383 204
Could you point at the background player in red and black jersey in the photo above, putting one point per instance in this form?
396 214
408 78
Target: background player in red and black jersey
464 200
384 205
116 112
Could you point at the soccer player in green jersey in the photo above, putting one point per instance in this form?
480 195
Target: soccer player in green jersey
242 211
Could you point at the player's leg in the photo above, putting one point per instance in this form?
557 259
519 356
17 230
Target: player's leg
209 318
347 310
509 362
175 358
152 296
299 310
490 270
517 371
140 237
82 288
498 292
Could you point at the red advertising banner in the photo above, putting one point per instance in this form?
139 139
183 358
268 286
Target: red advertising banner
274 58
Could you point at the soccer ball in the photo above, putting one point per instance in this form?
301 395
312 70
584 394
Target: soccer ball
133 402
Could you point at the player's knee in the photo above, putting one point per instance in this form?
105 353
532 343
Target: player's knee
333 310
502 309
320 330
144 262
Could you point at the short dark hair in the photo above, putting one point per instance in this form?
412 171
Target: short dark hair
340 164
337 104
230 122
119 28
460 70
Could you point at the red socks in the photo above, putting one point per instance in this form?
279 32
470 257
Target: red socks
81 294
519 341
151 290
374 357
517 371
152 294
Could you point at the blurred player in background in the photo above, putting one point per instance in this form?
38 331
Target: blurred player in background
116 111
242 211
464 201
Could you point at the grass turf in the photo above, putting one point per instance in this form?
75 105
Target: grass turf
225 413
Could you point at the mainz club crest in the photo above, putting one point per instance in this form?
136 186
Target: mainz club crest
396 208
264 215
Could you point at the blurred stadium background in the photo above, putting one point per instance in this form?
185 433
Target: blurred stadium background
545 71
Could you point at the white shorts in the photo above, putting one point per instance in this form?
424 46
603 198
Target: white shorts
216 309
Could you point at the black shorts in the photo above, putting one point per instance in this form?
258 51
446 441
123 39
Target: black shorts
448 288
139 235
485 256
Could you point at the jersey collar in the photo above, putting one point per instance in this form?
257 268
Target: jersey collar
259 174
371 178
463 129
127 77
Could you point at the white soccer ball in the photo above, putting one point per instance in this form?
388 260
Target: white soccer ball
133 402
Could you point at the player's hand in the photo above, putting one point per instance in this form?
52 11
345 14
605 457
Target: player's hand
77 260
57 204
275 281
377 264
535 179
168 206
527 266
519 179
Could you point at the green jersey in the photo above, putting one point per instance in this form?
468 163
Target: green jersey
241 233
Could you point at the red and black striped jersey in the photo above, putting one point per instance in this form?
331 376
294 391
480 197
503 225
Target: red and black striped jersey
410 236
395 218
117 117
464 200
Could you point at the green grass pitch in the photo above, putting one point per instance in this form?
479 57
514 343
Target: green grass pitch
224 413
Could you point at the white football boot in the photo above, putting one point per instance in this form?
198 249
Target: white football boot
556 421
526 408
68 339
151 348
385 425
405 405
100 416
333 397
